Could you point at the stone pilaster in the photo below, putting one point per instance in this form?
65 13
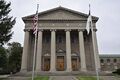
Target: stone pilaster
82 51
25 52
39 51
53 51
68 51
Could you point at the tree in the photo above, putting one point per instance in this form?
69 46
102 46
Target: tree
6 22
3 60
15 55
117 71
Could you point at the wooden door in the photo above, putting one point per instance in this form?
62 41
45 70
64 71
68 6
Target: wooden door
74 64
46 64
60 63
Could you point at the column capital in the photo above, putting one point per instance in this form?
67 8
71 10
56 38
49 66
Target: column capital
40 30
81 30
52 29
68 30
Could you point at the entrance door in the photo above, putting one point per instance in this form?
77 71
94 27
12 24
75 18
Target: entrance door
74 64
46 64
60 63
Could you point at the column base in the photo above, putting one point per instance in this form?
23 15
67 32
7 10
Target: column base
38 70
83 69
23 70
52 70
68 70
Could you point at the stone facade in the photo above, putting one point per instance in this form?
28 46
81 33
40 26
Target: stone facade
62 43
109 62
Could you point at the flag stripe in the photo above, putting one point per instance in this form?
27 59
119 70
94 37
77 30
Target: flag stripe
35 23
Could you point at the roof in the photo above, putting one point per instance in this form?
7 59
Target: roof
60 8
110 55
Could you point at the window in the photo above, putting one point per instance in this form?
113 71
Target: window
102 61
47 39
59 39
108 60
115 60
73 39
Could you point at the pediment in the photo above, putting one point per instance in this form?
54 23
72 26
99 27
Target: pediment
60 13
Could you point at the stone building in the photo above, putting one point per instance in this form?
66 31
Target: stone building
62 43
109 62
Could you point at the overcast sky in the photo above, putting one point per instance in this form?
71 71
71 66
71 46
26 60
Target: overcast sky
108 25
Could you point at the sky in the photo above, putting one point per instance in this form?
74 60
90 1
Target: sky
108 25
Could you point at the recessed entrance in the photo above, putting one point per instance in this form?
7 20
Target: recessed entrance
60 63
46 64
74 64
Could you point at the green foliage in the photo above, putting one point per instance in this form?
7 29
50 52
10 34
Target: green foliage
117 71
3 59
15 55
87 78
6 22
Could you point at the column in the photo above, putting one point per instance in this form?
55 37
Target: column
25 52
96 50
82 51
39 52
53 51
68 51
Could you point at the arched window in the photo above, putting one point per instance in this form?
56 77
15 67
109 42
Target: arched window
102 61
115 60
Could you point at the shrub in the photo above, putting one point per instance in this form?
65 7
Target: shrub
117 71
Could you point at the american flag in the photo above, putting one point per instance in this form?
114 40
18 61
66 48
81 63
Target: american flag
35 23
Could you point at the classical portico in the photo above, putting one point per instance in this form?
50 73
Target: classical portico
62 42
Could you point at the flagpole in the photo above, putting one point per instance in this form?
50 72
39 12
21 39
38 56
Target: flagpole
94 47
35 46
59 2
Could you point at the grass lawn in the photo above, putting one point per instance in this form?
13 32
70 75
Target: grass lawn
41 78
87 78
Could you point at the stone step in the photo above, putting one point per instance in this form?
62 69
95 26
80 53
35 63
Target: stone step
60 73
18 78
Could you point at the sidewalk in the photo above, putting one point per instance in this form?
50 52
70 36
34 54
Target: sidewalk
62 78
109 78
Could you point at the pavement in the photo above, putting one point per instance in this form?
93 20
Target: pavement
62 78
109 78
74 78
58 77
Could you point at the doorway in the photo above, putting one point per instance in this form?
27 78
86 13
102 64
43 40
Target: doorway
60 63
74 64
46 64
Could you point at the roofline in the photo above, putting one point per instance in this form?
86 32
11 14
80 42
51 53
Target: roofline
109 55
53 9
